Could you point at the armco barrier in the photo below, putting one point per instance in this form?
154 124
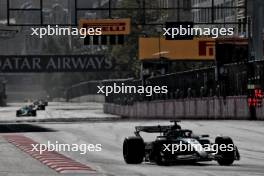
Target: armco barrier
196 108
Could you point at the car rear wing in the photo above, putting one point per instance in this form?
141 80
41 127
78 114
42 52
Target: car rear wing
158 128
152 129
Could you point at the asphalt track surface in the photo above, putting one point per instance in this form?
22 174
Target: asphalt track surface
57 111
247 135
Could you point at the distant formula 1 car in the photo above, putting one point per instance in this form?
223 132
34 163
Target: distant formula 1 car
166 149
40 105
26 111
44 102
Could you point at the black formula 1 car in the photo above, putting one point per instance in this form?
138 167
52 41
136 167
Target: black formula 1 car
45 102
40 104
175 145
26 111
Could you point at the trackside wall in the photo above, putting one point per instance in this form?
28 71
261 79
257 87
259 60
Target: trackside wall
197 108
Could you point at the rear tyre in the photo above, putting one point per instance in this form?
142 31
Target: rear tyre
226 158
133 150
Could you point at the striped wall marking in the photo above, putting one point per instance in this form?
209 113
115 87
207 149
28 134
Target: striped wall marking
54 160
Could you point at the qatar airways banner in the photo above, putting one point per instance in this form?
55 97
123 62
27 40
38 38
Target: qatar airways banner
55 63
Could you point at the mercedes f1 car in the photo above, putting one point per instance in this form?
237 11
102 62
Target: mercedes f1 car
176 145
26 111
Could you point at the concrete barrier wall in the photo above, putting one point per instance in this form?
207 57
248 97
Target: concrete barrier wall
205 108
179 109
89 98
260 113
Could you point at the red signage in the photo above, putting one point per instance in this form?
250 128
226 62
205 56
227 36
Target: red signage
255 99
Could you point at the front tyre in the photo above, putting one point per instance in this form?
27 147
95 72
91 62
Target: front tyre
18 113
133 150
159 155
227 157
34 113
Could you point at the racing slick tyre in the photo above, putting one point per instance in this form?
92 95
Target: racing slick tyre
133 150
226 157
34 113
18 113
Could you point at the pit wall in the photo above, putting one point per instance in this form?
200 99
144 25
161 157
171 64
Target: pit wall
197 108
